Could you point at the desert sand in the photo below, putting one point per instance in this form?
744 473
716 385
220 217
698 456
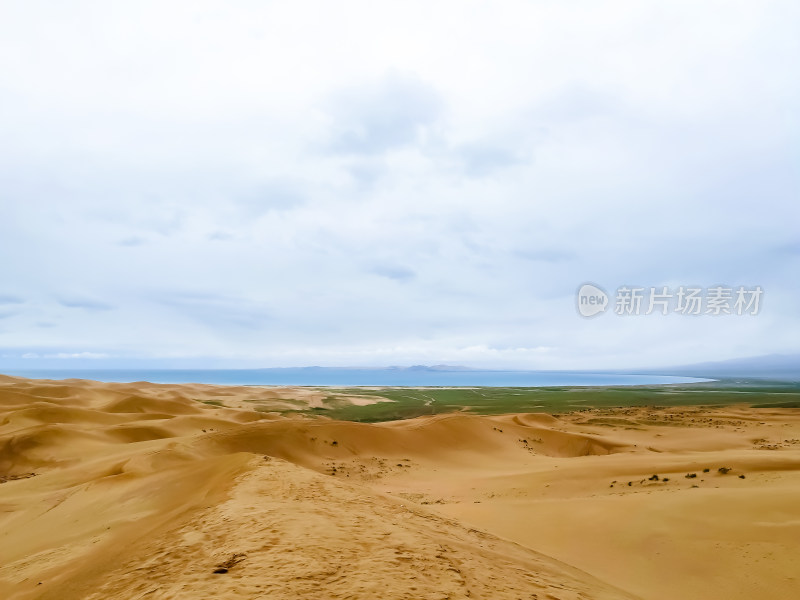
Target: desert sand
121 491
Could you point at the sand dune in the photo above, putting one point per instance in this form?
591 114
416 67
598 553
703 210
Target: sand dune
143 490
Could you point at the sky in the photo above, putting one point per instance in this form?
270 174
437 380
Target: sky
267 184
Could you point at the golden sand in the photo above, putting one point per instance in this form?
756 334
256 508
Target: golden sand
145 491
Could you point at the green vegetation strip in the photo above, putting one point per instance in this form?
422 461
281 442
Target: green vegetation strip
407 402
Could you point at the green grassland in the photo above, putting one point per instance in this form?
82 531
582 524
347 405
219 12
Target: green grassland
408 402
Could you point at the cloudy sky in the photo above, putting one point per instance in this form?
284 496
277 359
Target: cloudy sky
390 183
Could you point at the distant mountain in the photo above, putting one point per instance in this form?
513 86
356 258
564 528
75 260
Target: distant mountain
389 368
780 367
437 368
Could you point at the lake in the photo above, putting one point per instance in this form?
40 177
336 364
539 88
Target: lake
328 376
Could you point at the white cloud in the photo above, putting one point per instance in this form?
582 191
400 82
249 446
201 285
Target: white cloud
308 183
69 355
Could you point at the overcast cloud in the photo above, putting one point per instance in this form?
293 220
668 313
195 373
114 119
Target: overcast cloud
376 183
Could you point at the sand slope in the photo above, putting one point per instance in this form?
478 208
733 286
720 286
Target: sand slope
141 490
299 534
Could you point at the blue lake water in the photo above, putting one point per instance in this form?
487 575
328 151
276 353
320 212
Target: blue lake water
323 376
